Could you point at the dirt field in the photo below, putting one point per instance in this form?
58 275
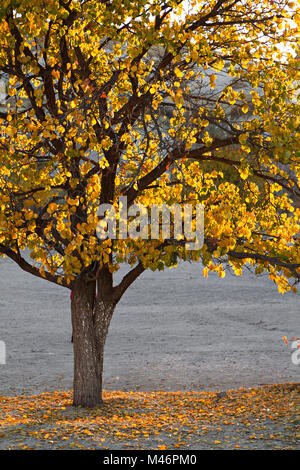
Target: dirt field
172 331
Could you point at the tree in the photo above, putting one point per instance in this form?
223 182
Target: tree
109 99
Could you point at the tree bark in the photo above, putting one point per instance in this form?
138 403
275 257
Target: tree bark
90 321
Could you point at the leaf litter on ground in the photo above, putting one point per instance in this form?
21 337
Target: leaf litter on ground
267 417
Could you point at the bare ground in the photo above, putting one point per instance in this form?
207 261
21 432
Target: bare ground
173 330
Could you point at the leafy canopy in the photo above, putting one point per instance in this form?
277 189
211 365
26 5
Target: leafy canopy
162 102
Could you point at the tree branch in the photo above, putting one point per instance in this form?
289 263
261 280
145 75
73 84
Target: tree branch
25 266
127 280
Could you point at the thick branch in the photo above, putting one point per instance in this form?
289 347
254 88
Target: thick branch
269 259
23 264
127 280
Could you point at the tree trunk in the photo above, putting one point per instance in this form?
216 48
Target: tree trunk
90 321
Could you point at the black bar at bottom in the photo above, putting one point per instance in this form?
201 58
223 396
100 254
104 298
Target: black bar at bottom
150 458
